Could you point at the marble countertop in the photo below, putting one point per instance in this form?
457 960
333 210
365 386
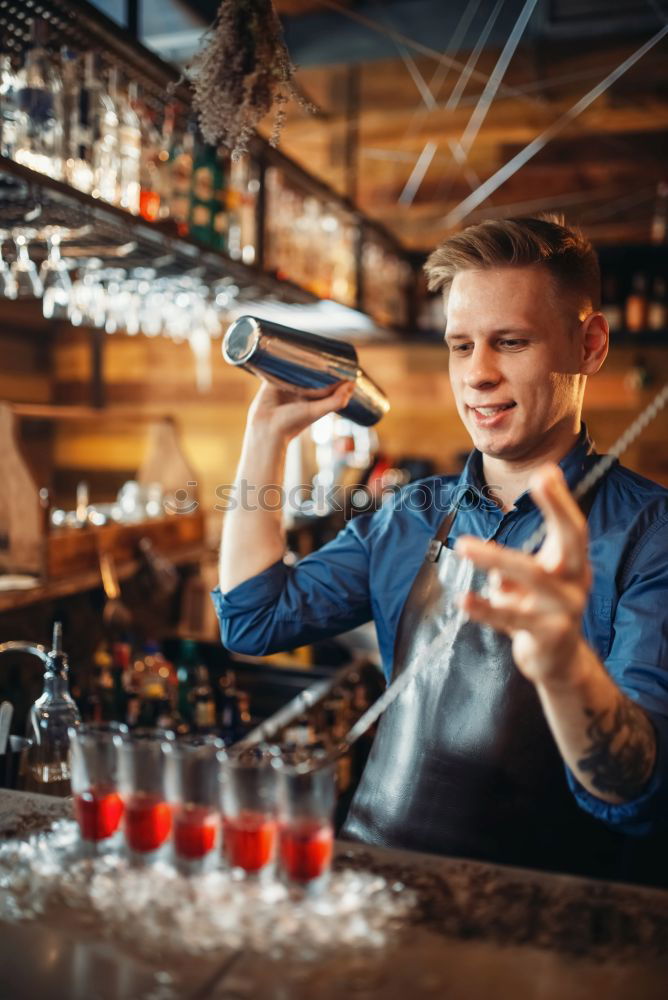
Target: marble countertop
476 931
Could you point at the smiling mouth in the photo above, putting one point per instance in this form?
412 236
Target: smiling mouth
491 411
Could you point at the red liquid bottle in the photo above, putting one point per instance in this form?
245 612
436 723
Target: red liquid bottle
249 840
148 822
195 830
306 848
98 813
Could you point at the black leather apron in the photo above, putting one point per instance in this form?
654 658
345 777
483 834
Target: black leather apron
463 762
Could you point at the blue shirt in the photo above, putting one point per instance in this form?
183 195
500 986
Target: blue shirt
367 571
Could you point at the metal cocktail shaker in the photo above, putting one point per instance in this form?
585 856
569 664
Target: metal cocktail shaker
298 360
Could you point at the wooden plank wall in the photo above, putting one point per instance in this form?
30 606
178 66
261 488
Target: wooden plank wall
26 376
145 377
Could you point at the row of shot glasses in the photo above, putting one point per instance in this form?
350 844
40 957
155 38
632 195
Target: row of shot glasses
257 810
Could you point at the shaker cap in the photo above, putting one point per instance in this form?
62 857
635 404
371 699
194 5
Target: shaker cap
241 340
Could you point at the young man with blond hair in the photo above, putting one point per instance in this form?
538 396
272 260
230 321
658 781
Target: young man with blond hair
536 729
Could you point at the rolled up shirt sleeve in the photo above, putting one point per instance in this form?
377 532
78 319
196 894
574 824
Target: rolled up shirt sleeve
638 662
287 606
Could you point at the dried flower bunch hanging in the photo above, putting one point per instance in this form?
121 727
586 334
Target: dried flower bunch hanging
243 70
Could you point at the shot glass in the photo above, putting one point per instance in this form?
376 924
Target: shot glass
141 771
193 781
306 800
249 810
98 806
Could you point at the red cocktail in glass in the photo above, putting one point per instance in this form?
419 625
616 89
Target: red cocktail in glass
98 812
250 839
193 782
306 797
148 822
98 806
195 831
148 815
306 848
249 810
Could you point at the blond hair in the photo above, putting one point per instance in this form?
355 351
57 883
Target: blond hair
546 240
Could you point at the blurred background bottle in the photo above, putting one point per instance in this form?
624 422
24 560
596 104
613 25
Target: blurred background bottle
129 148
9 107
39 132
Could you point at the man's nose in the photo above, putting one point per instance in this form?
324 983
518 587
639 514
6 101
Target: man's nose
482 369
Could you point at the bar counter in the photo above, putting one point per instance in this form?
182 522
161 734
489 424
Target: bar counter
476 931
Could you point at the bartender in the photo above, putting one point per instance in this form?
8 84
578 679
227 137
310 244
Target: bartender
536 729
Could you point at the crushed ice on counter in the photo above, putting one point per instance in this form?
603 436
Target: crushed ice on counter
158 910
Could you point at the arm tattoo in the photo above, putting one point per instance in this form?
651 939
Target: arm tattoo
622 749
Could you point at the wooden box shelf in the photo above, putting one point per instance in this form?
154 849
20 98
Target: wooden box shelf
71 552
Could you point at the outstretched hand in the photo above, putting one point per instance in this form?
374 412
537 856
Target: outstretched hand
537 600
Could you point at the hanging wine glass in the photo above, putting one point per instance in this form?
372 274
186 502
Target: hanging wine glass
7 281
55 278
88 298
24 270
114 277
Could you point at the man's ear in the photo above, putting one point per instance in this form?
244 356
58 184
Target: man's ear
594 342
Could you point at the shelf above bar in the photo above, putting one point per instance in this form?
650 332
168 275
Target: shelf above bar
156 241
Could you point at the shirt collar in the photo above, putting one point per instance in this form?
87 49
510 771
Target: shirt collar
573 465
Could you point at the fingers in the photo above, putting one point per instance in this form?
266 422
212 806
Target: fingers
327 391
480 610
566 545
517 566
336 400
512 619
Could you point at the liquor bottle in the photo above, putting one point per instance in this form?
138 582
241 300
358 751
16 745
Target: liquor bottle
129 148
120 653
219 209
106 159
163 162
185 675
104 681
204 709
610 305
9 107
204 201
659 229
657 309
39 133
242 193
155 690
83 105
635 311
181 179
229 708
49 720
69 71
149 192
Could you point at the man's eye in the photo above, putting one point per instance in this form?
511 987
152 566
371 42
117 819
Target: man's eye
458 348
511 342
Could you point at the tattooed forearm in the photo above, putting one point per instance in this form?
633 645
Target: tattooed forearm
622 749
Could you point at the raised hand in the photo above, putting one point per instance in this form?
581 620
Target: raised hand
537 600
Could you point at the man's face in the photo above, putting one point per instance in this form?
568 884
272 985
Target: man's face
513 345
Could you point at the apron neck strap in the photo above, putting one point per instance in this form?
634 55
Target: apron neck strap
438 542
